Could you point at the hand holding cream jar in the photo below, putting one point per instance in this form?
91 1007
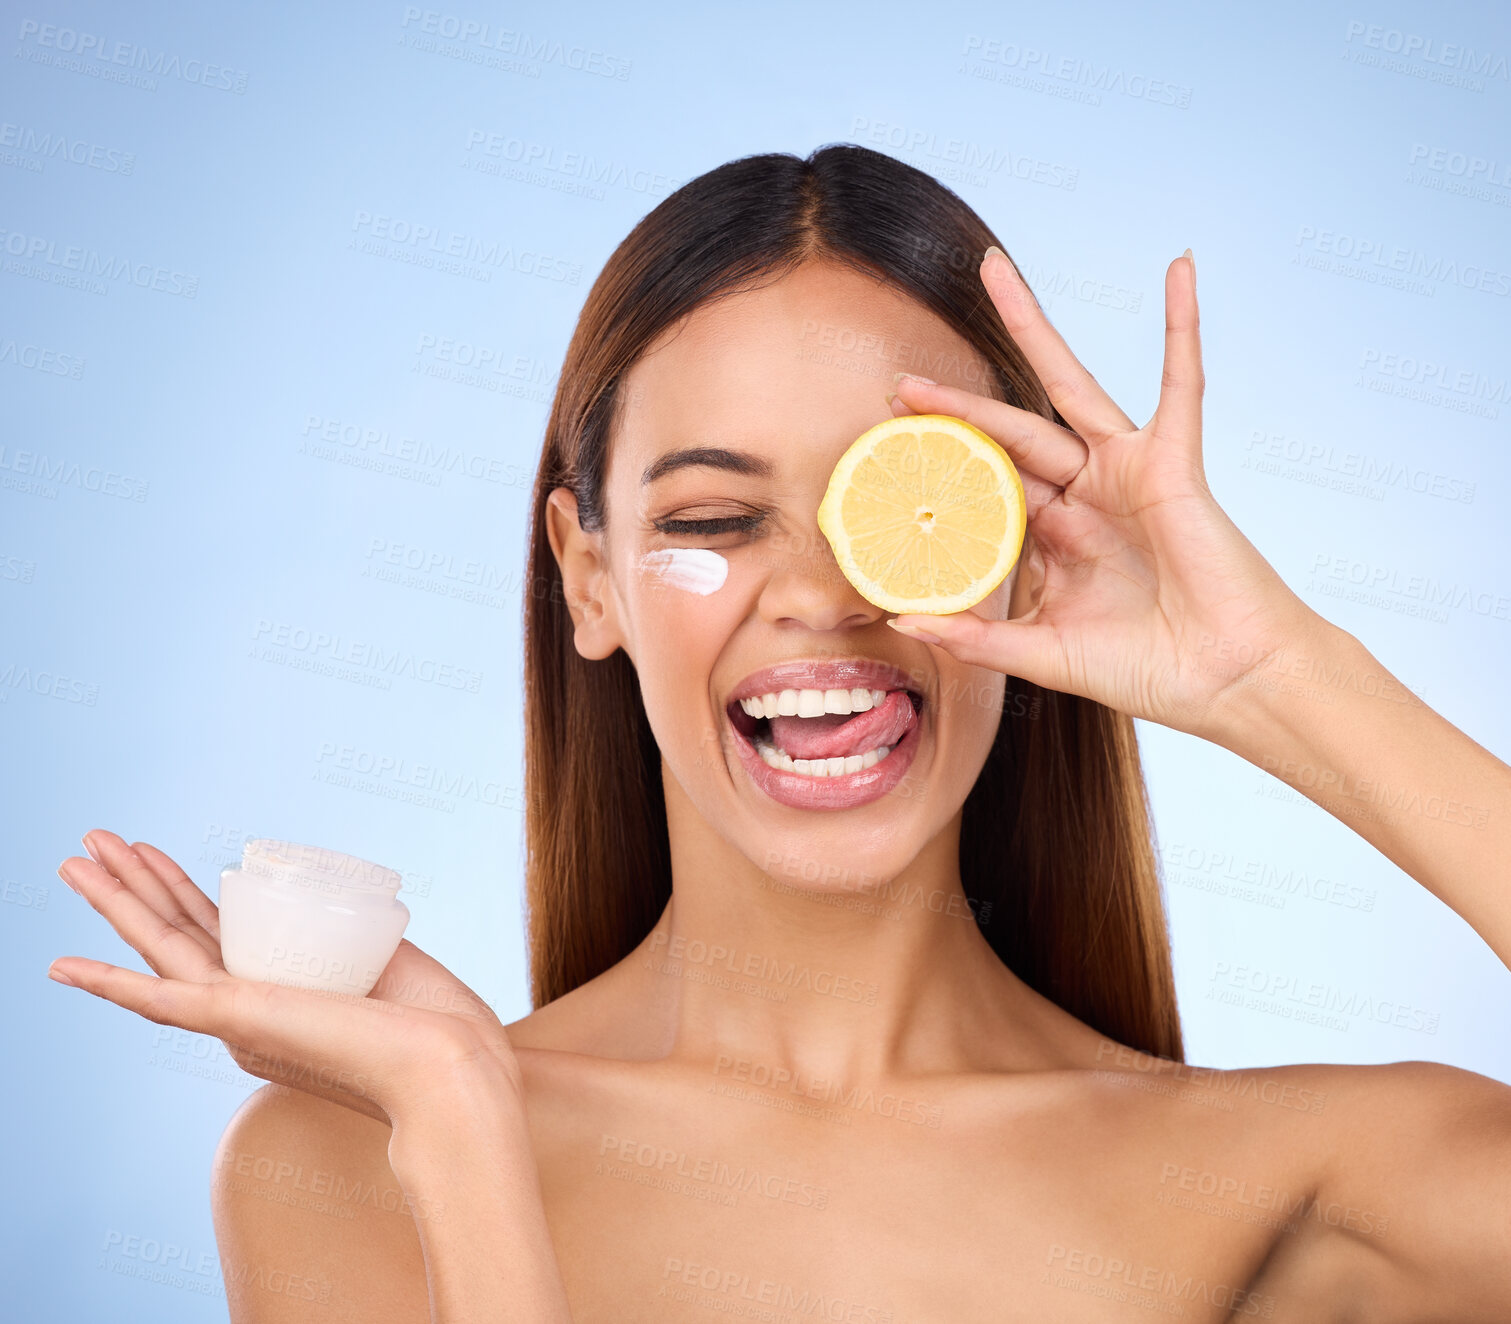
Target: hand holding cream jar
309 917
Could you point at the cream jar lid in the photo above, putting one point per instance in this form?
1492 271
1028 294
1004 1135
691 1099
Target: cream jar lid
291 864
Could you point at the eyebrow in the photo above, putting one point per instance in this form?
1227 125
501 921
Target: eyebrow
709 457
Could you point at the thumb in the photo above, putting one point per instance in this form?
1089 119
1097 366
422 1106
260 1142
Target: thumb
1017 648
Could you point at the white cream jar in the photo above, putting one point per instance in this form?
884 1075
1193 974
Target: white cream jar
309 917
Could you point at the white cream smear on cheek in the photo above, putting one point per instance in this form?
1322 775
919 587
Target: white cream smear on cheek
695 569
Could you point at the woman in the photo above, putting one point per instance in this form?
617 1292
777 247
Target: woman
901 1044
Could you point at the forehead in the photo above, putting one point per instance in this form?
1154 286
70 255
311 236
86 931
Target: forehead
807 358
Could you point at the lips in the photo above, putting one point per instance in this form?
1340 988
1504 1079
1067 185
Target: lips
826 735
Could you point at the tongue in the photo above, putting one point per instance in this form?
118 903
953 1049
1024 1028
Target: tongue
835 735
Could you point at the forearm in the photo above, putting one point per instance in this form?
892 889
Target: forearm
1329 720
488 1250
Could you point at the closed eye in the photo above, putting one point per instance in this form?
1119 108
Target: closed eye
708 528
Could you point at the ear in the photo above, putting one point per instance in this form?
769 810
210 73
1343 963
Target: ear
1029 583
584 578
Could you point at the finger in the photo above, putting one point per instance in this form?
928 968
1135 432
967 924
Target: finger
131 867
162 943
1074 391
1177 421
1021 647
191 900
1037 491
186 1003
1037 445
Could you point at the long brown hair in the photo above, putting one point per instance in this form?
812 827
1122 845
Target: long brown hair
1056 854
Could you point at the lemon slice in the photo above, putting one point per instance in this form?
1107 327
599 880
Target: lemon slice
925 513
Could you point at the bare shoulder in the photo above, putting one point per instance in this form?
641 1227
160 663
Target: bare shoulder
1409 1136
1388 1186
1408 1104
310 1221
1336 1118
1413 1193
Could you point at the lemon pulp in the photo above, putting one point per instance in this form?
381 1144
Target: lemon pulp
925 513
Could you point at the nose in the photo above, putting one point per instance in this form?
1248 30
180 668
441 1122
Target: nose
806 588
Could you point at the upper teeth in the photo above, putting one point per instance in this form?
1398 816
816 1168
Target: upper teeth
811 703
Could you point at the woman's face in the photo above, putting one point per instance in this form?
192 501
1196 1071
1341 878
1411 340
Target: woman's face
729 429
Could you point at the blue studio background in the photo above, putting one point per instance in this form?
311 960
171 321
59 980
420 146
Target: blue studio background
294 428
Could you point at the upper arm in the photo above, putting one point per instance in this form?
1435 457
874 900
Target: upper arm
310 1221
1419 1182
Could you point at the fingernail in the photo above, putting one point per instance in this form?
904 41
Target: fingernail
987 256
912 377
60 977
913 632
93 850
63 874
1192 260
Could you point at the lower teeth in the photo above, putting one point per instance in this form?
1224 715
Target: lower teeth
830 767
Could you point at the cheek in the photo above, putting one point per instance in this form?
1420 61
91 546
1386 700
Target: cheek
683 606
971 706
683 610
685 595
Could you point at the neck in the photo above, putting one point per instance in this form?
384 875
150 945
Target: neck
790 965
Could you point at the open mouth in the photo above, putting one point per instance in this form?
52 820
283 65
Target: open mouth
825 733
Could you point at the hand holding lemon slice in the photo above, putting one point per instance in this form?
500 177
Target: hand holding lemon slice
925 514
